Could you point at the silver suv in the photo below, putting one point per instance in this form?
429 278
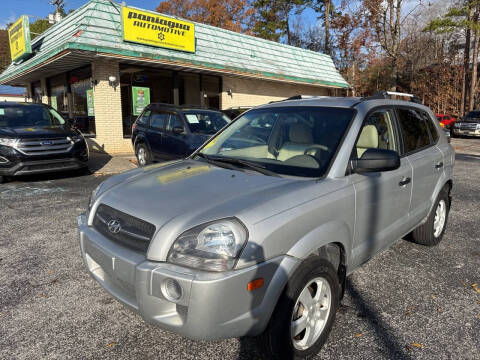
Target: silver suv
255 232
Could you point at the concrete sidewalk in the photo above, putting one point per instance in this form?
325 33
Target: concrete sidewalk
104 164
466 146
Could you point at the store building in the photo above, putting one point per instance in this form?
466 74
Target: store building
10 93
104 62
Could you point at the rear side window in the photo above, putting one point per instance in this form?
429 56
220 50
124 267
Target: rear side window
430 125
157 119
414 129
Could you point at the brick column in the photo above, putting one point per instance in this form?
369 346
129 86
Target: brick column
108 109
43 84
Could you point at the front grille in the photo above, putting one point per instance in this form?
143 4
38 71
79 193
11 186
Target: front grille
133 232
468 126
44 146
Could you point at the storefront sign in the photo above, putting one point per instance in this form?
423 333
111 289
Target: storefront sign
90 106
53 102
141 98
153 29
19 38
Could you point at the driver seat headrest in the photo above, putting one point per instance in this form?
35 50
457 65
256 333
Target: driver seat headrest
300 134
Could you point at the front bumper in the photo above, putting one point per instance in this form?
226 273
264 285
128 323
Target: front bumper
212 305
13 163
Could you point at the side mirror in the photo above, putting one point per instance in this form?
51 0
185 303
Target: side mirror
374 160
178 130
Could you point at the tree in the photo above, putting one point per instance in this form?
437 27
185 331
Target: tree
327 10
385 18
274 18
38 27
463 17
235 15
4 50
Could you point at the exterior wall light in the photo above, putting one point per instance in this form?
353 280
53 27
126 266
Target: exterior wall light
229 92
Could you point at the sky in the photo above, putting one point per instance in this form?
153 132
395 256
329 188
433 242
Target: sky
10 10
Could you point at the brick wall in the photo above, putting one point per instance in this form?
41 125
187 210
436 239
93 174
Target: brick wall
108 110
253 92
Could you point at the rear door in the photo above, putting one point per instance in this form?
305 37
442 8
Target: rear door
426 159
156 133
382 199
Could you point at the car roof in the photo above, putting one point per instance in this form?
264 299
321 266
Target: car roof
182 107
341 102
16 103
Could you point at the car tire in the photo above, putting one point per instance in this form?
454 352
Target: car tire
431 232
143 155
278 340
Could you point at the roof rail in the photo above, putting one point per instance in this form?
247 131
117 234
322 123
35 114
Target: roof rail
295 97
389 94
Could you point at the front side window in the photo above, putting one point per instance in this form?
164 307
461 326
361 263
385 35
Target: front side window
205 122
26 116
378 132
285 140
414 129
174 122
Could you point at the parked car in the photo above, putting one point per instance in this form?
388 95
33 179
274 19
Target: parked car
469 125
34 138
258 239
164 132
235 111
445 119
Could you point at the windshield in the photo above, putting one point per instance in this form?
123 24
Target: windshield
286 140
21 116
473 116
205 122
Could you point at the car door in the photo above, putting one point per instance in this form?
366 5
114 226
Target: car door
426 159
156 133
382 199
175 144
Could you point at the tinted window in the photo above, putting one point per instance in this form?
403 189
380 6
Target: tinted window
157 120
414 129
299 141
206 122
29 116
430 125
378 132
174 121
143 119
473 116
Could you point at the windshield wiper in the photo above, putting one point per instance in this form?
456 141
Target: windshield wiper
224 165
248 164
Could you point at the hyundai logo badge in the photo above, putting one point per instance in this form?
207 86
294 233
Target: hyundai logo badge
114 226
47 143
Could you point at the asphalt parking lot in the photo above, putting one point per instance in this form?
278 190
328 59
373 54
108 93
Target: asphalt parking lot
410 302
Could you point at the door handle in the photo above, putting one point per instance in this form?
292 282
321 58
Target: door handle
405 181
439 165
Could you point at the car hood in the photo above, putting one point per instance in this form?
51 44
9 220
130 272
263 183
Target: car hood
35 132
177 196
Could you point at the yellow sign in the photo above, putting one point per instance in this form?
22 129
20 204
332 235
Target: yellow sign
153 29
19 38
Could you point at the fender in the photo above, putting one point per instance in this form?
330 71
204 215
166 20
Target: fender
330 232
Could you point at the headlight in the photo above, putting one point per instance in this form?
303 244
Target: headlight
456 125
75 138
8 142
214 246
478 126
93 197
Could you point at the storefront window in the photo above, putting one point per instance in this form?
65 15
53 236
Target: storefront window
58 95
82 111
141 86
36 92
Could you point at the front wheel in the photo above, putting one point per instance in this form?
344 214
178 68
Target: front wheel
304 315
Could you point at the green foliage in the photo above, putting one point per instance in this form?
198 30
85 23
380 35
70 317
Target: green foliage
38 27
